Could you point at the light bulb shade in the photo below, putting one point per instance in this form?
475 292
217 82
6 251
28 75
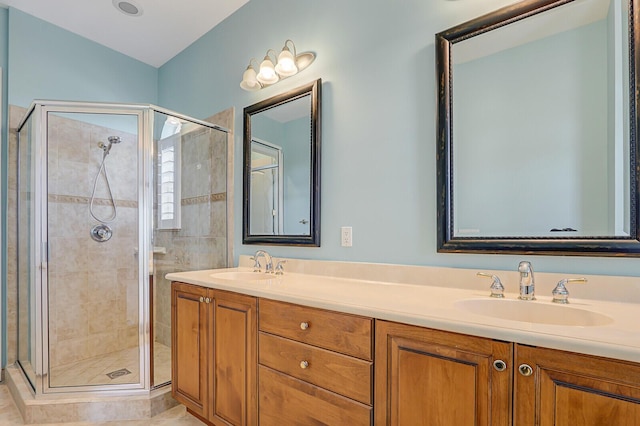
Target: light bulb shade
249 81
286 66
267 74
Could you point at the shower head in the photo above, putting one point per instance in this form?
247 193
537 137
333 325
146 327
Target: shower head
107 147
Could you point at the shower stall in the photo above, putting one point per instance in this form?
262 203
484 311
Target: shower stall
110 198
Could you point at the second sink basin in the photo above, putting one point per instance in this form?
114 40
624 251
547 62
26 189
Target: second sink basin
242 276
533 312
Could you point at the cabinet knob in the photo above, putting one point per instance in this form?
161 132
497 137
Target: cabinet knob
304 325
499 365
207 300
201 299
304 364
525 370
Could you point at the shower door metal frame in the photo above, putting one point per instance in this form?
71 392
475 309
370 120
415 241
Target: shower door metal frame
39 109
142 114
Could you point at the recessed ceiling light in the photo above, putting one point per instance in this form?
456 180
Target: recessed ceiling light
128 7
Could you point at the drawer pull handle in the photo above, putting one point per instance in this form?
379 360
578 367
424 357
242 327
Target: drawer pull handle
525 370
499 365
304 364
304 325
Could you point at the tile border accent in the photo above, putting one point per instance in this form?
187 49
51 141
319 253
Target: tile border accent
78 199
203 199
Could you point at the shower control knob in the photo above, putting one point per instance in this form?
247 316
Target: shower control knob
101 233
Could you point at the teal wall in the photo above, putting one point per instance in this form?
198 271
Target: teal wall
379 120
47 62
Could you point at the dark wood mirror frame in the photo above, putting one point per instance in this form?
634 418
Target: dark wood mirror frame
580 246
313 239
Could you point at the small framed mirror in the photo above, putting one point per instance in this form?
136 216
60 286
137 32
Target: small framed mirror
281 180
537 130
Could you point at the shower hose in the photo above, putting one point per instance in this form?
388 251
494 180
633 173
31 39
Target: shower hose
103 169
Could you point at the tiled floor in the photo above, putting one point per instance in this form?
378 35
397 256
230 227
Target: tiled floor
94 371
177 416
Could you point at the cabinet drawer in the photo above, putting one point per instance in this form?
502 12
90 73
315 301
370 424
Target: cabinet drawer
345 333
284 400
339 373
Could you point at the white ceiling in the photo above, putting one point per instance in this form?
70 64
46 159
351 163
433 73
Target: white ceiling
164 29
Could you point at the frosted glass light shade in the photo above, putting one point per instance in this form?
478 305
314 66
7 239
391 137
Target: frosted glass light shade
267 74
249 81
286 66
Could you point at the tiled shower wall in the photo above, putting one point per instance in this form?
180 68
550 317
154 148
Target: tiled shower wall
201 243
93 286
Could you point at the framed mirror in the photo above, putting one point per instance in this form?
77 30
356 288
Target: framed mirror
537 130
281 180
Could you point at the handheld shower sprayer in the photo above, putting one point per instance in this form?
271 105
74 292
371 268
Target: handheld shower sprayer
106 147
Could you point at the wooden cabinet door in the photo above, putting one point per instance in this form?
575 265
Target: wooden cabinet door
435 378
568 389
189 346
234 359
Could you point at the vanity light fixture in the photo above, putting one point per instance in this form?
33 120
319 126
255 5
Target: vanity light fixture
272 70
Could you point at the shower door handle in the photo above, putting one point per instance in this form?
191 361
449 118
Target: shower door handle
44 256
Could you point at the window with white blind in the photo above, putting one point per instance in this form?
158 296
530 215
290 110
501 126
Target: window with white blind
169 182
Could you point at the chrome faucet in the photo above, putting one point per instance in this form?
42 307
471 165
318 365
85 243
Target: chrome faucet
268 265
527 283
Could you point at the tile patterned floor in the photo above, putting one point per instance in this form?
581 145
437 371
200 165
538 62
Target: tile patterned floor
177 416
94 371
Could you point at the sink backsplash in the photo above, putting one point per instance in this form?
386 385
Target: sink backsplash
597 287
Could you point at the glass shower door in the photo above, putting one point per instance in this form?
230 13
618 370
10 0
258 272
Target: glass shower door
25 241
190 219
93 227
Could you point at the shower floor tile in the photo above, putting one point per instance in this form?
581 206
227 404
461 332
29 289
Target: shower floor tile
94 371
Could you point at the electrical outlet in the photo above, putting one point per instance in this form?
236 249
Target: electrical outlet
346 239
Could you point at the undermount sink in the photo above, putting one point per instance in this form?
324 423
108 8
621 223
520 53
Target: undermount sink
242 276
533 312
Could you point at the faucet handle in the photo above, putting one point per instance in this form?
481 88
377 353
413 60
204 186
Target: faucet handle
560 293
497 289
256 264
279 267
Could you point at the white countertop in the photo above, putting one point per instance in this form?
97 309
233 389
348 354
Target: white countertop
436 307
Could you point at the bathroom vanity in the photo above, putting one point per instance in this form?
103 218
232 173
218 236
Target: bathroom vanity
303 348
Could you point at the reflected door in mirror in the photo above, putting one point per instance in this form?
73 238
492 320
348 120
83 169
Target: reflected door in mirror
266 184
